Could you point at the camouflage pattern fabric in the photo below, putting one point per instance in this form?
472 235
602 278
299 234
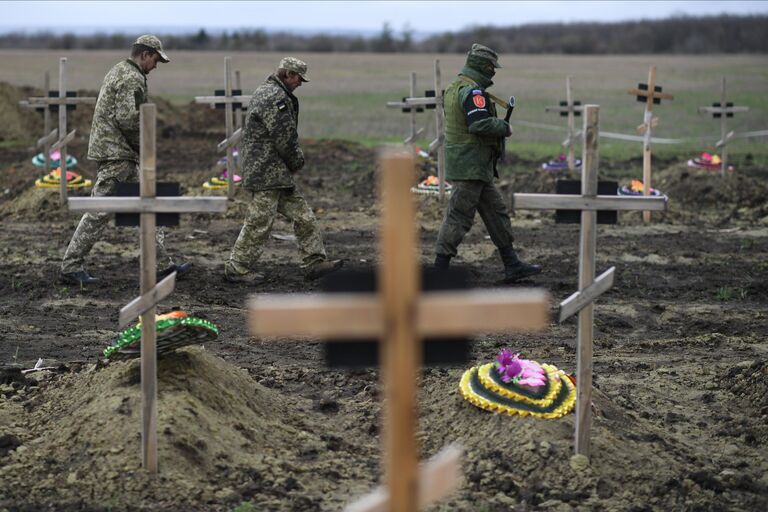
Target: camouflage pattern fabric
270 144
258 225
92 224
115 125
468 197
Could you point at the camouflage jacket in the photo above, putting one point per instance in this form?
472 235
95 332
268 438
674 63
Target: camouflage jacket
270 145
115 126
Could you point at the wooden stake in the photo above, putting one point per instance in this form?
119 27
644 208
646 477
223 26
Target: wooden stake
571 122
63 130
229 127
147 116
648 119
400 282
47 123
723 130
586 277
412 138
440 127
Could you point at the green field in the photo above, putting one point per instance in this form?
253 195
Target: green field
348 91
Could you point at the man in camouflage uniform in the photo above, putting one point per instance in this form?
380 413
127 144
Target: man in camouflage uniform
114 144
474 139
271 155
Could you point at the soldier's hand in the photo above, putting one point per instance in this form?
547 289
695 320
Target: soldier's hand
509 130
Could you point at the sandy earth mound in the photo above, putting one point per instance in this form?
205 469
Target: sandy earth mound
222 438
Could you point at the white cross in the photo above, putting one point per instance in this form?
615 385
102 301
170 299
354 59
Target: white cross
60 135
589 288
148 205
400 316
232 137
571 109
649 122
723 111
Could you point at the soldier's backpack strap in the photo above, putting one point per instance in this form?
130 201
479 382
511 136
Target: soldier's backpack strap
500 102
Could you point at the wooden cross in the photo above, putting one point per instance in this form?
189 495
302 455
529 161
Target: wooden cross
431 100
589 288
49 136
723 110
649 93
572 109
400 317
60 136
148 205
227 100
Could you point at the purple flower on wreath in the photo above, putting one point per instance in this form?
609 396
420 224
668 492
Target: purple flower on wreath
508 366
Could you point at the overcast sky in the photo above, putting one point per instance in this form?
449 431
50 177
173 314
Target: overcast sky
422 17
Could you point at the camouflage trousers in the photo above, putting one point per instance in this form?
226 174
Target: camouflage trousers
264 207
468 197
88 231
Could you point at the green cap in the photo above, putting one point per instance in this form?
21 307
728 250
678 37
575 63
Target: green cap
295 65
483 52
154 43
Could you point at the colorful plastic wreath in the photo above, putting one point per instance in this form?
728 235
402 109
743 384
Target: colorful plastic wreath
174 330
636 189
221 181
561 164
522 387
53 180
39 160
431 185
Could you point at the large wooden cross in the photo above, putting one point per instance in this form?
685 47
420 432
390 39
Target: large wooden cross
400 317
723 110
148 205
232 104
59 137
571 109
650 94
589 288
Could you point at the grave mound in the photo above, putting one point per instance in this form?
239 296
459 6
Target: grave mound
222 437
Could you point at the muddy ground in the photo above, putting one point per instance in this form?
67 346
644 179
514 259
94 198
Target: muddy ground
681 353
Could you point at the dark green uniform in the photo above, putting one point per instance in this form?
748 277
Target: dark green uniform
474 142
473 136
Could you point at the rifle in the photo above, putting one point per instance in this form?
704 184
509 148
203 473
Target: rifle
510 107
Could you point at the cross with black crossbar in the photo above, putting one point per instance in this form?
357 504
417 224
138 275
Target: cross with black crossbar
148 205
57 139
588 202
233 102
400 317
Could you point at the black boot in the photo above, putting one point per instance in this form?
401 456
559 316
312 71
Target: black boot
514 268
442 262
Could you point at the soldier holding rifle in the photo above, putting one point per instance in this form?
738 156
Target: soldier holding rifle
474 142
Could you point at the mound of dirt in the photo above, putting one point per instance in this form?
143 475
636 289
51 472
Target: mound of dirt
222 438
702 196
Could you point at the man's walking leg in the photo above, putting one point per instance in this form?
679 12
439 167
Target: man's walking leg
314 259
495 215
253 235
92 224
458 220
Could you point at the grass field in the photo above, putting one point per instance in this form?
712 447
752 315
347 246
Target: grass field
348 91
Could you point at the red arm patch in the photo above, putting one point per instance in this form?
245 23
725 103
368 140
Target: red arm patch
479 100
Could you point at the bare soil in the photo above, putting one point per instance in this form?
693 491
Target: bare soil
681 353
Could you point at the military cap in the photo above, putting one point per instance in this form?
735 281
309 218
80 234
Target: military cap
154 43
295 65
479 50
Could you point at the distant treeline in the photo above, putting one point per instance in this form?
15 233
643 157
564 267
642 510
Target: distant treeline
682 34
